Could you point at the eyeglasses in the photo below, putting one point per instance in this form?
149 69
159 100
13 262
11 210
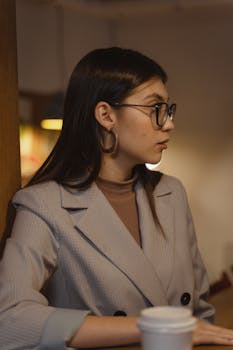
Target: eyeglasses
160 112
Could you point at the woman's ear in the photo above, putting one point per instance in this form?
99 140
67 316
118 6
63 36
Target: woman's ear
104 115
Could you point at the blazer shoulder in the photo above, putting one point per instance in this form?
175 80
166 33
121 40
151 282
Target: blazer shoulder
172 181
169 184
38 197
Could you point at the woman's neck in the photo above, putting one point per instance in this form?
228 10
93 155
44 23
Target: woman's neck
114 171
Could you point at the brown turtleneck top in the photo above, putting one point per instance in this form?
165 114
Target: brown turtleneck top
121 196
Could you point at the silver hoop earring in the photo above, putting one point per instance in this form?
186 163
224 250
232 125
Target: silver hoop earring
114 143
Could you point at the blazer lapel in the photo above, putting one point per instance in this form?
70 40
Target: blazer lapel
102 226
158 245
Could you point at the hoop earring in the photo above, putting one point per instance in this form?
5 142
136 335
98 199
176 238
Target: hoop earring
114 140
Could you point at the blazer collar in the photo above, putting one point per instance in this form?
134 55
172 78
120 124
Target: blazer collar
101 225
76 199
81 199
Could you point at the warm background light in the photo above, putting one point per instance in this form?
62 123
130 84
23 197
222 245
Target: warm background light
51 124
151 166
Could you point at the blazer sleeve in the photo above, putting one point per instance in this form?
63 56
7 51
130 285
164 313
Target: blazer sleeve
26 319
202 309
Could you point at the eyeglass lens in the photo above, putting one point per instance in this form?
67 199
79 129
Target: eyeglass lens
162 111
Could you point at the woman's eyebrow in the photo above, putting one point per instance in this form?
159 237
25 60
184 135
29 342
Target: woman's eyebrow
155 97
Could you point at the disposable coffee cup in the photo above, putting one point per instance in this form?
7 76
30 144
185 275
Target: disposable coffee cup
166 328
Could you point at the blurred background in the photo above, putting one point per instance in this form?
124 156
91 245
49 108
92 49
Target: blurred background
192 40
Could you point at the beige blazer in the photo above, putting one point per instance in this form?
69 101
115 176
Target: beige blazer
70 254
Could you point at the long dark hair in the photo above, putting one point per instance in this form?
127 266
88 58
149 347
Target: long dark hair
108 74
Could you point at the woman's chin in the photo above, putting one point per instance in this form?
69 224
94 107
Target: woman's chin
154 160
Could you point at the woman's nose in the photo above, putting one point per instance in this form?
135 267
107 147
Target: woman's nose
169 125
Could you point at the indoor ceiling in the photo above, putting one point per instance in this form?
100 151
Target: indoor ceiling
118 8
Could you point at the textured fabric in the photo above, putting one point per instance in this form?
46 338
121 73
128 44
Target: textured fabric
60 327
70 250
122 198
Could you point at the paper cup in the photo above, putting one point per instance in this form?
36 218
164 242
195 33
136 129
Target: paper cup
166 328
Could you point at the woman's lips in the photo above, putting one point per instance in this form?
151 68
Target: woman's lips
163 144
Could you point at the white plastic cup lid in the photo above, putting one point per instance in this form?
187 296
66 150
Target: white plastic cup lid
166 318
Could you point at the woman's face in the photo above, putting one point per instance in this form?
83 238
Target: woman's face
139 141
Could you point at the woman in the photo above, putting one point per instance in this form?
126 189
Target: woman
96 235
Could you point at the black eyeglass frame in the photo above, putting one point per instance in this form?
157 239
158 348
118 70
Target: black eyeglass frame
169 112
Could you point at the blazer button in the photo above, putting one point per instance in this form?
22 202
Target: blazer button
119 313
185 298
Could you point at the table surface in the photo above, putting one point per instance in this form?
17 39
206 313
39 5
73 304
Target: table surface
223 303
